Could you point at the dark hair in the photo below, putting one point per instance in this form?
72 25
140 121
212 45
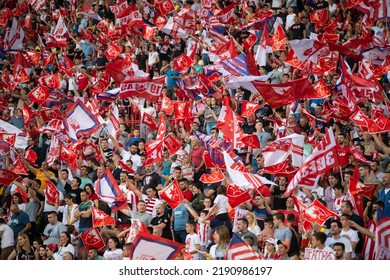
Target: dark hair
339 244
279 216
78 180
68 236
91 187
320 236
244 220
192 224
339 225
338 187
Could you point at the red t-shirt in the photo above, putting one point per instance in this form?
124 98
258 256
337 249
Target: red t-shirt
343 155
197 155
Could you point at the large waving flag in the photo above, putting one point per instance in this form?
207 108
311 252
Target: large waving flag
239 250
152 247
323 158
278 95
80 122
143 88
236 195
100 219
108 191
21 138
52 193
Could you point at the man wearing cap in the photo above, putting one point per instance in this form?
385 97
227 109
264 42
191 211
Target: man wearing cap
270 249
283 248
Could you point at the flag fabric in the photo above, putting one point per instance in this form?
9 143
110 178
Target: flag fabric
87 11
182 63
357 154
18 167
54 150
382 236
15 36
142 87
279 39
278 95
49 114
154 152
8 138
323 158
236 195
172 194
277 151
112 51
152 247
126 168
214 177
51 193
167 105
7 176
239 250
171 144
149 121
251 140
248 109
108 191
39 94
358 188
119 7
92 239
315 212
21 138
101 219
80 122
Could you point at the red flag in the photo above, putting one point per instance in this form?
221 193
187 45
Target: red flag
358 188
143 88
18 167
48 60
99 86
182 62
51 192
51 81
112 51
322 89
7 176
172 194
154 152
34 57
49 114
92 239
171 144
278 95
251 140
9 138
250 41
227 50
312 119
215 177
27 114
279 39
39 94
208 161
357 154
149 121
31 156
67 154
5 15
226 15
22 193
164 6
319 16
101 219
167 105
248 109
236 195
149 31
183 110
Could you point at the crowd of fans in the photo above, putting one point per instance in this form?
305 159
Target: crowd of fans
33 228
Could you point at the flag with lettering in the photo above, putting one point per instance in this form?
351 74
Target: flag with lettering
142 87
101 219
323 158
172 194
92 239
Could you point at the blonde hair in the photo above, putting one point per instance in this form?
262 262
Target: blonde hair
27 245
254 222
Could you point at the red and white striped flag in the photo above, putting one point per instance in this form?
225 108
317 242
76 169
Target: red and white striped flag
239 250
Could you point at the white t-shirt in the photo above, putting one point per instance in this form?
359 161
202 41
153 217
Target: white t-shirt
331 241
222 202
112 255
191 241
7 239
351 235
136 159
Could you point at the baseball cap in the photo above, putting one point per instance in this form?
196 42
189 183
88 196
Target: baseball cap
285 244
271 241
53 247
